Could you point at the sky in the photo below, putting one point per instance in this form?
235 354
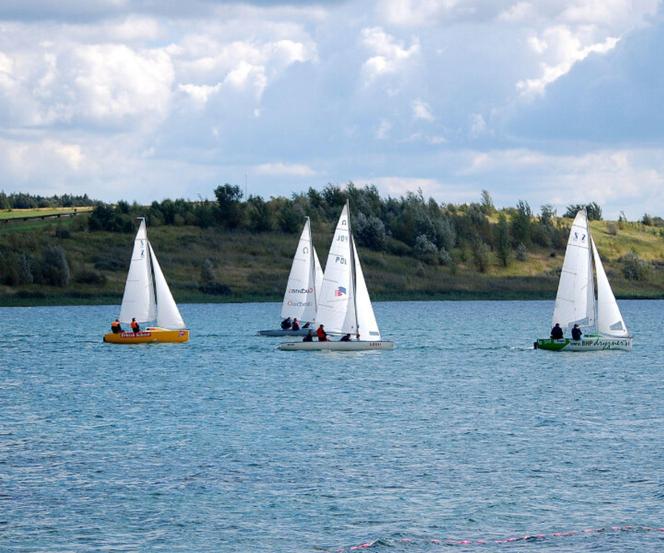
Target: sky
552 102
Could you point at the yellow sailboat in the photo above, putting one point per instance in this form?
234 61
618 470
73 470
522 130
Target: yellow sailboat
147 298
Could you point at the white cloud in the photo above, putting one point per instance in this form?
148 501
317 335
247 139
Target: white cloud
414 12
422 110
563 48
478 126
383 130
390 54
284 169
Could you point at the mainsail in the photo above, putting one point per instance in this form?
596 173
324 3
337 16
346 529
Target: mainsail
345 306
575 301
138 300
609 319
300 298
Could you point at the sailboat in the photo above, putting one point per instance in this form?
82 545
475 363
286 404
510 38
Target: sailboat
344 306
304 284
576 302
147 297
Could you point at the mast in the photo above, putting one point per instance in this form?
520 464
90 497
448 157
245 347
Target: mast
313 265
353 286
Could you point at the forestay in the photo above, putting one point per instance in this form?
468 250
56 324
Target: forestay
575 300
300 298
168 314
138 300
609 319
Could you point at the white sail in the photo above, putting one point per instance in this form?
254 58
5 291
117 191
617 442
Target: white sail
168 314
301 290
335 290
609 319
319 276
138 300
366 320
575 301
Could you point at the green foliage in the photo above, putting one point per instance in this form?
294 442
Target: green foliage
425 250
521 223
521 252
634 268
593 210
370 231
481 255
260 216
486 203
230 209
54 267
209 283
88 276
503 241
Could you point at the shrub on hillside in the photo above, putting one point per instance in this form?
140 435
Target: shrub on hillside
54 267
634 268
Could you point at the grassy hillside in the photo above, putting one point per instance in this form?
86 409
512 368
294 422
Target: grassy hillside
254 266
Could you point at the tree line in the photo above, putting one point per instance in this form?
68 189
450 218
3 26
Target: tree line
474 234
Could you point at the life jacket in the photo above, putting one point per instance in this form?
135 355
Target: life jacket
134 324
322 336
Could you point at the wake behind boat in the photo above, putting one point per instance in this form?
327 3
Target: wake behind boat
576 304
344 306
302 289
147 297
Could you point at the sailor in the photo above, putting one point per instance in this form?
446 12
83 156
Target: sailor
345 338
309 337
134 326
116 327
295 325
556 332
286 323
307 325
576 333
322 335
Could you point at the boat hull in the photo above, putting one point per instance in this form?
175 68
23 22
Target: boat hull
279 332
148 336
587 343
355 345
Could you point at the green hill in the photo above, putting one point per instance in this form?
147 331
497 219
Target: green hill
248 265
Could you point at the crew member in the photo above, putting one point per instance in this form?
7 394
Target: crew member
116 327
309 337
322 335
556 332
345 338
286 323
134 326
576 333
295 325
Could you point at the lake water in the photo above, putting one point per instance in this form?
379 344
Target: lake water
462 439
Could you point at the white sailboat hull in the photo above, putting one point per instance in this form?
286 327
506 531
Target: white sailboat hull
355 345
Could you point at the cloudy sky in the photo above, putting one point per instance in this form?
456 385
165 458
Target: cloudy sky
549 101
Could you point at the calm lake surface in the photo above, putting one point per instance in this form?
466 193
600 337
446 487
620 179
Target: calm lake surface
463 438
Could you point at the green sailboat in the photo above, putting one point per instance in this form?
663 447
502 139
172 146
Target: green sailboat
579 302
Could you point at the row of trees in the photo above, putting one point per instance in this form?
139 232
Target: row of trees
21 200
409 225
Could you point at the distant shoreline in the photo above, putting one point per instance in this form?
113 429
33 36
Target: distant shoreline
18 300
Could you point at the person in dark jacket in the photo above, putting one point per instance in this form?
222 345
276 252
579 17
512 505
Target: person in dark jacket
576 333
322 335
295 325
345 338
286 323
309 337
556 332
